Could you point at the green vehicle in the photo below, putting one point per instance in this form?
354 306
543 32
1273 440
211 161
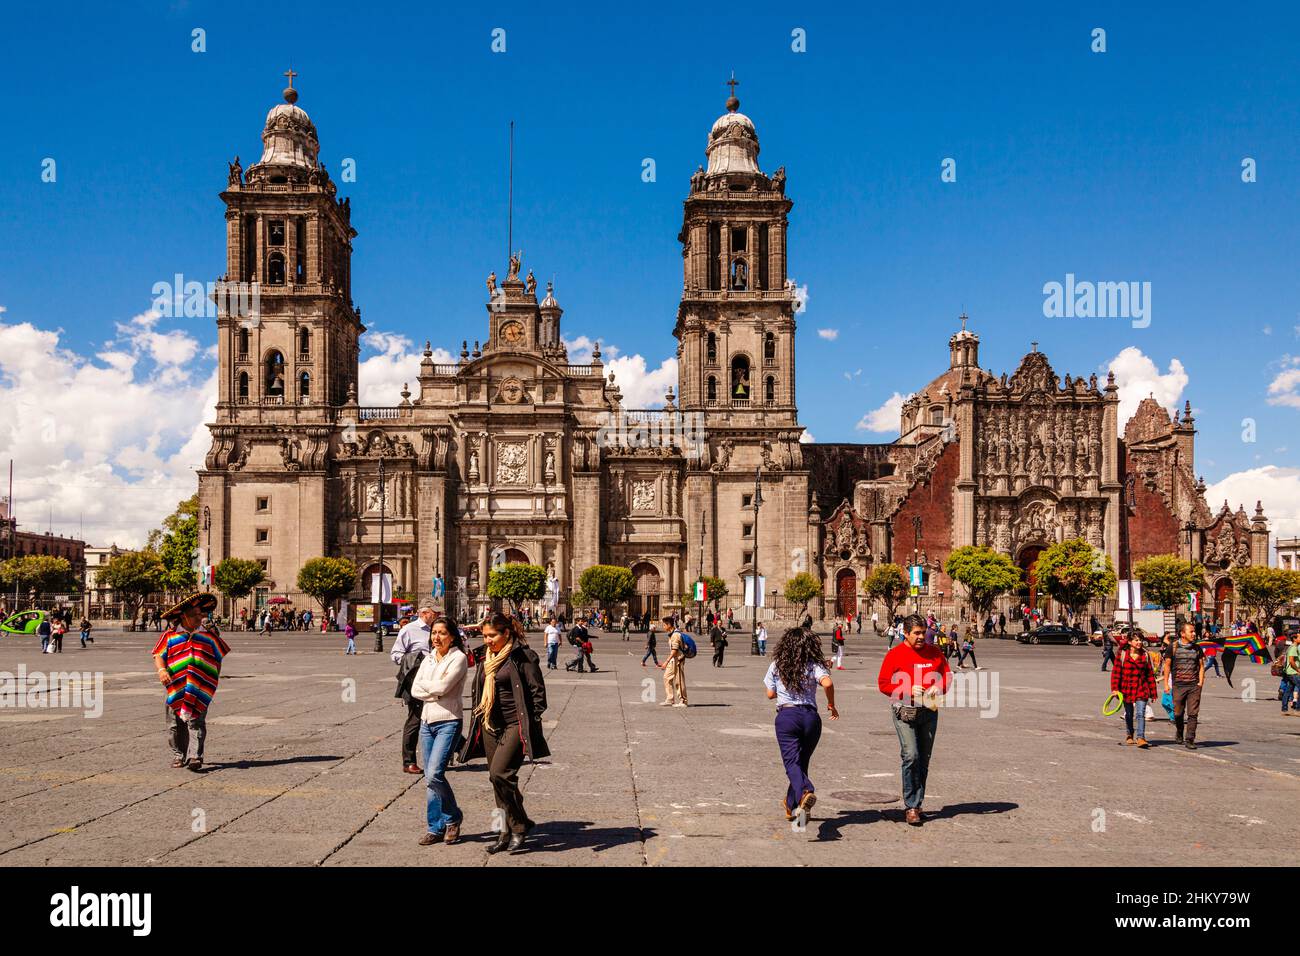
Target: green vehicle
24 622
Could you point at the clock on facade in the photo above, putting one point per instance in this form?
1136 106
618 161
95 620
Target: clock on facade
512 333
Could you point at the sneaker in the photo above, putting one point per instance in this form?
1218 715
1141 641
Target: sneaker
666 703
786 808
1190 745
800 819
1142 743
1128 739
808 801
681 703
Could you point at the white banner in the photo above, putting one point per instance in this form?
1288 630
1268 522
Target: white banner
749 591
386 580
1137 595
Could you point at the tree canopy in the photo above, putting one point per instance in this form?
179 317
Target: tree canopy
517 583
887 583
1075 573
133 576
985 573
327 579
236 577
1262 592
1167 579
36 572
802 589
606 584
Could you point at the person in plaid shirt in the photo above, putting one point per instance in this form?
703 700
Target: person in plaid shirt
1134 677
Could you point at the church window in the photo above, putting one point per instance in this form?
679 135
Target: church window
763 253
275 269
250 248
712 390
769 390
711 348
740 378
243 386
738 239
749 557
936 415
715 254
263 503
769 349
304 342
276 232
300 245
263 535
739 274
275 374
747 530
304 385
243 342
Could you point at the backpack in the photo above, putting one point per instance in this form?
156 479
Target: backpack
688 644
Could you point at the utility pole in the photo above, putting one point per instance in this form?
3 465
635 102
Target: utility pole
916 555
1130 484
704 521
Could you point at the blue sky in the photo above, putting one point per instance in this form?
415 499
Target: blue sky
1115 166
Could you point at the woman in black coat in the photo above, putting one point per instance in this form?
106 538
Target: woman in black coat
509 697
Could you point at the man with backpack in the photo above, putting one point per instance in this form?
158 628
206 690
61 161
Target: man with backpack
679 649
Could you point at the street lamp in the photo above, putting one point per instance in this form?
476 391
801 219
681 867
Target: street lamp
379 615
916 555
1130 485
704 522
758 501
1190 528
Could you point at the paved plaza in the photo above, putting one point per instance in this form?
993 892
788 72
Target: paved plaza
303 768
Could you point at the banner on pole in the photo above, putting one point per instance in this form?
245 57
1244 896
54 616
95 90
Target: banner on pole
701 592
752 599
381 588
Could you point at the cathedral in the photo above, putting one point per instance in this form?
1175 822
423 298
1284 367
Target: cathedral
515 454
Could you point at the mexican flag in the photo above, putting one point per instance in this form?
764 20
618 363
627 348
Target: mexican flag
701 592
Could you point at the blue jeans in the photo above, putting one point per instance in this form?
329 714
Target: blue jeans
1135 712
552 654
915 744
762 646
436 744
352 646
1290 684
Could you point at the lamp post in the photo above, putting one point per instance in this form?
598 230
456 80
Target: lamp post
704 522
758 501
1190 528
379 611
916 555
1130 485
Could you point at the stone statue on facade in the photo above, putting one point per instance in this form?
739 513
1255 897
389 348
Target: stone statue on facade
530 284
236 176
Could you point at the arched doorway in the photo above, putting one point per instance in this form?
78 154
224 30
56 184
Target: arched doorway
1029 591
846 593
369 575
646 597
515 556
1223 600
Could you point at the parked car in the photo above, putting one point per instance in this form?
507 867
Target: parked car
22 623
1053 634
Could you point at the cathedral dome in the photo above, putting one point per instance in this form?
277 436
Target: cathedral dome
289 136
733 142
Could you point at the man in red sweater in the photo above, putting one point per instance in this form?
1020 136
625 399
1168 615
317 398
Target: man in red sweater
912 672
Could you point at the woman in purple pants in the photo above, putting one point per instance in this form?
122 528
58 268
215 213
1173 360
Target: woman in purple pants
797 668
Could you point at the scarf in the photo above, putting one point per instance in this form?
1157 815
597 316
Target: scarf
491 664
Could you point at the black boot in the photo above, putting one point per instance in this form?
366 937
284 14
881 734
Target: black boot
516 844
503 841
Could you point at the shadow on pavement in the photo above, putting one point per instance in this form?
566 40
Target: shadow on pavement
557 835
963 809
249 764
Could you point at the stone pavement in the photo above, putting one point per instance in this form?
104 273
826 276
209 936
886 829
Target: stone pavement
299 775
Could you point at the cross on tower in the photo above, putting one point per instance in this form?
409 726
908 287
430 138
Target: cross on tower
290 74
733 82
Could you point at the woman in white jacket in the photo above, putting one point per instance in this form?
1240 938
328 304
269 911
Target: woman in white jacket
440 683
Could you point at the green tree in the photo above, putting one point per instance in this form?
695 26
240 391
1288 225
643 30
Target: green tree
177 544
1075 573
986 575
327 579
41 573
517 583
887 584
237 577
606 584
1261 592
1167 579
133 576
802 589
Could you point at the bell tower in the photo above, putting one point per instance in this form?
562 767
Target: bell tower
287 328
735 324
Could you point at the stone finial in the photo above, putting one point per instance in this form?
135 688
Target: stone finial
595 352
428 347
464 349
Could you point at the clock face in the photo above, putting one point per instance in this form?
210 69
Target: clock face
512 333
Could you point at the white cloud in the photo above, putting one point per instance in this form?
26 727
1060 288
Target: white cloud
830 335
642 387
807 437
1137 377
110 441
380 377
581 349
1278 489
1285 387
886 418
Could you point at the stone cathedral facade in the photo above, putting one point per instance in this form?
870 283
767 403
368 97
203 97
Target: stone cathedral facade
515 454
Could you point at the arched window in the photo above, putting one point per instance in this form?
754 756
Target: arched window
711 348
769 348
304 385
304 341
769 390
740 378
936 415
243 341
713 390
274 375
275 269
243 386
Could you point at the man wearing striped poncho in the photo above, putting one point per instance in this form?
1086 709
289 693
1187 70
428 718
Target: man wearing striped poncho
188 656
